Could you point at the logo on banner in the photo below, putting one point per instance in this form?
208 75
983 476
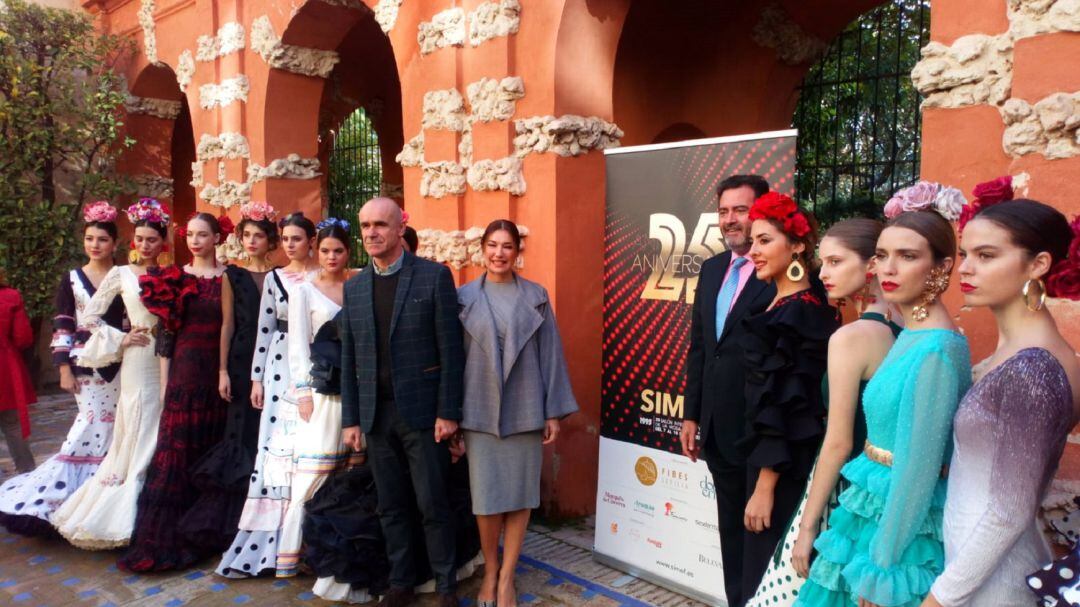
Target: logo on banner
707 525
674 478
643 508
706 560
708 489
655 542
613 499
645 469
670 512
614 528
675 268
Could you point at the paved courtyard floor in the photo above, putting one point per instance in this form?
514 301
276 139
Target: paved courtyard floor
556 567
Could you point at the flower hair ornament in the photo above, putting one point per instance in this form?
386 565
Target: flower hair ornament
258 211
1064 278
927 196
150 210
783 209
224 224
99 212
332 221
987 194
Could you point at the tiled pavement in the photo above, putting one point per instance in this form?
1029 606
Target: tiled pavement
556 567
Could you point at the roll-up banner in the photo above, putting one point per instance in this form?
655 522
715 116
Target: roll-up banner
655 510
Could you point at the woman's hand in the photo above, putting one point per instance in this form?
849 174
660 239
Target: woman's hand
551 431
865 603
800 554
930 601
758 514
224 386
257 394
136 338
306 407
68 383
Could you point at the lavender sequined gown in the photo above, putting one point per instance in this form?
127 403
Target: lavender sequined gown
1009 433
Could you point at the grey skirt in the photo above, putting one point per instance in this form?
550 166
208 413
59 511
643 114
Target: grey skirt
504 473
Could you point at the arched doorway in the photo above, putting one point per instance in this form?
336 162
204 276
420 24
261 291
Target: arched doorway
354 171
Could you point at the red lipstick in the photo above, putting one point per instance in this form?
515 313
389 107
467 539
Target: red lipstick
966 288
889 286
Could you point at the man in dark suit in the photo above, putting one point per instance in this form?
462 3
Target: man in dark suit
403 361
727 292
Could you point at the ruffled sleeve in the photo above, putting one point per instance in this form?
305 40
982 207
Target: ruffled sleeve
267 325
103 348
300 334
64 327
785 351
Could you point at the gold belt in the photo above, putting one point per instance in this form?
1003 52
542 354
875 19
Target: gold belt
885 457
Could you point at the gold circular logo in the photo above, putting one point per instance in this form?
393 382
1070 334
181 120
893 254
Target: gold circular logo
645 469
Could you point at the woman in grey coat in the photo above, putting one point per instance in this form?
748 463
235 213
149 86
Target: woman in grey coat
516 391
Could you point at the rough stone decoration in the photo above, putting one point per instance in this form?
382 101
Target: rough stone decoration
229 39
230 90
185 69
227 194
392 190
493 175
146 22
222 172
567 135
441 179
1033 17
975 69
412 154
491 99
230 250
459 248
154 186
445 29
292 166
444 110
288 57
197 174
149 106
225 145
1050 127
494 19
386 12
465 146
776 30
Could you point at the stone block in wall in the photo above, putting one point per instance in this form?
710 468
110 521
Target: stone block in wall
288 57
445 29
975 69
441 179
503 174
197 174
412 154
1050 127
229 39
292 166
228 91
1033 17
154 186
776 29
494 19
226 145
567 135
491 99
386 12
465 146
226 194
185 69
392 190
444 110
149 106
145 17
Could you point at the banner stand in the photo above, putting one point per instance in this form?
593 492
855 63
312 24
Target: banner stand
648 576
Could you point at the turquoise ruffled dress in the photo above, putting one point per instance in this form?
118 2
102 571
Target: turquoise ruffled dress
884 542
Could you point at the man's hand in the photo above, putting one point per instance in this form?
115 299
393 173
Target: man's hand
551 431
352 438
444 429
688 439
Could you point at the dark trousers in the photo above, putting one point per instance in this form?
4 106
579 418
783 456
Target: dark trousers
731 497
17 445
758 548
397 452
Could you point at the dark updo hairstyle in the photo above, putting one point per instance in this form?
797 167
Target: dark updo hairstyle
810 239
933 227
1032 226
858 235
161 228
108 226
210 220
334 231
412 240
267 226
505 225
297 219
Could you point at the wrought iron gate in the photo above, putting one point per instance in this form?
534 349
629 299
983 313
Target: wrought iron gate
858 114
355 174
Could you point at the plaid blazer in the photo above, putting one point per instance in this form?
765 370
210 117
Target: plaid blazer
426 347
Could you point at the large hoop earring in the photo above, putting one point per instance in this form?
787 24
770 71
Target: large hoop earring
795 269
936 284
1026 291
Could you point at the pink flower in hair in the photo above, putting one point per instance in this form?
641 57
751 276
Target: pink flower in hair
100 211
259 211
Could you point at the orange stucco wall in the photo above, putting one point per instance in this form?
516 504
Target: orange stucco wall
654 69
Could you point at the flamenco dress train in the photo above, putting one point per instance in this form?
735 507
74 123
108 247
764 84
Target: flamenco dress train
884 541
28 501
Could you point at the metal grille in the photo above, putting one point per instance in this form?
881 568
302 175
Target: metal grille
858 115
355 174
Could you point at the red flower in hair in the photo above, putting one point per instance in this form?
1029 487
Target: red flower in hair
782 208
1064 281
986 194
226 224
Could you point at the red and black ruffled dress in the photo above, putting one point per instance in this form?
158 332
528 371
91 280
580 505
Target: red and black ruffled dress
785 350
192 419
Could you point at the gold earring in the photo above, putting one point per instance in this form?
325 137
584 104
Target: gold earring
795 269
164 258
936 284
133 257
1042 294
